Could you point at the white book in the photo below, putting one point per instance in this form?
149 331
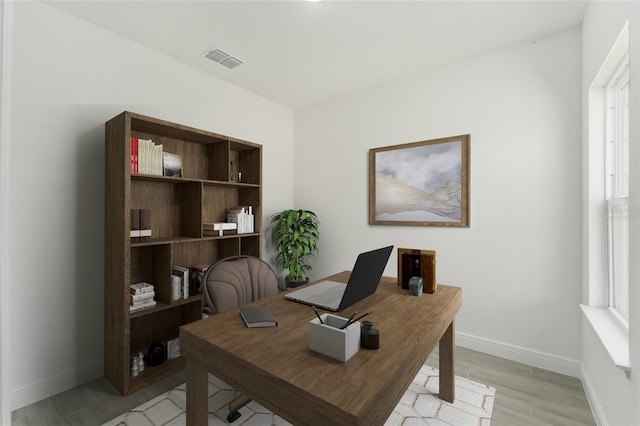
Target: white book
250 223
159 166
140 287
137 299
183 273
176 287
145 305
243 216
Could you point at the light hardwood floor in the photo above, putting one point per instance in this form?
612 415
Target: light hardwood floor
525 395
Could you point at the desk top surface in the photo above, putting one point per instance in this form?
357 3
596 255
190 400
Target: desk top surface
266 361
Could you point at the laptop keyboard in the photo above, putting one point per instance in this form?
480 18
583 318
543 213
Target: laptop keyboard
330 295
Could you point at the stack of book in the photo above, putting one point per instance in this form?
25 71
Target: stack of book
218 229
243 218
146 157
141 297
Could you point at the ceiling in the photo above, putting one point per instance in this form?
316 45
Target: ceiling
298 53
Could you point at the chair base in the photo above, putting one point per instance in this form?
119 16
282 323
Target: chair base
236 405
233 416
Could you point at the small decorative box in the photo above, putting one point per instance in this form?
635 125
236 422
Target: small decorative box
415 286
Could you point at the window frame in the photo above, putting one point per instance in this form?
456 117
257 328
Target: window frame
617 190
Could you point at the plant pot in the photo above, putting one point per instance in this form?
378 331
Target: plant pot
294 284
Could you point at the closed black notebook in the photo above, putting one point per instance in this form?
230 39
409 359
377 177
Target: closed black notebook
258 316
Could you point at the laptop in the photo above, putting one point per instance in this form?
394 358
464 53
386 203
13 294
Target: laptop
363 282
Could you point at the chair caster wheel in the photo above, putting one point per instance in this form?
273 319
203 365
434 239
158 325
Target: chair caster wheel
233 416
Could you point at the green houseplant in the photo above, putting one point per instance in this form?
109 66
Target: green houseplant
295 235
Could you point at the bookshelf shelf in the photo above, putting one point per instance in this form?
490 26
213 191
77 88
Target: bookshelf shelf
178 180
178 206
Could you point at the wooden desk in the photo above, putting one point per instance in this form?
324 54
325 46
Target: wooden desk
275 367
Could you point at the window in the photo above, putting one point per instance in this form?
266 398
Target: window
617 189
607 191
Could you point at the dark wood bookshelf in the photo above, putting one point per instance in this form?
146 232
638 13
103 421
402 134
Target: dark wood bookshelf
179 206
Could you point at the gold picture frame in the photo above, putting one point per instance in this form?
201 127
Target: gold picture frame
420 183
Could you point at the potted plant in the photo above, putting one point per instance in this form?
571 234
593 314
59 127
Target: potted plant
295 236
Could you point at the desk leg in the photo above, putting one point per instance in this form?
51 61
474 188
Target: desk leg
447 364
197 390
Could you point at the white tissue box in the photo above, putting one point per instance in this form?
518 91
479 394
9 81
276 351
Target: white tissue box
328 339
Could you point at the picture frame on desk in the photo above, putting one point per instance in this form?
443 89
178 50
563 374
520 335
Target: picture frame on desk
420 183
417 263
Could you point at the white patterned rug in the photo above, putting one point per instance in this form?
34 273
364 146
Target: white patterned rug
420 405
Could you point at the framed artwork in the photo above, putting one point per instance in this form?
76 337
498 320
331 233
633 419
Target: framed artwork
172 164
421 183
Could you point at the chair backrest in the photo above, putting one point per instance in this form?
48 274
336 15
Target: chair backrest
236 281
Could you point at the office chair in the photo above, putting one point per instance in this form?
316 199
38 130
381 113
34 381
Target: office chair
233 282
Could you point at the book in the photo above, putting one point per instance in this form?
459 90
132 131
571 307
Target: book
142 297
176 287
243 217
183 273
134 155
142 306
146 157
258 316
140 225
219 229
141 287
173 348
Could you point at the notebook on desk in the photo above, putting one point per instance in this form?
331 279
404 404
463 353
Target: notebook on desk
363 282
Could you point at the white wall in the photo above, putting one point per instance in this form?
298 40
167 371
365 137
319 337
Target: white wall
5 173
68 78
613 395
519 262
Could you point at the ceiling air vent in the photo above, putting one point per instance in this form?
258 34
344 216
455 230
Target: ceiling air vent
217 55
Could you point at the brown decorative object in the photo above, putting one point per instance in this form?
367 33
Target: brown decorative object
417 263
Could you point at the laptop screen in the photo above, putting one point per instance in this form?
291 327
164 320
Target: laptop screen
365 276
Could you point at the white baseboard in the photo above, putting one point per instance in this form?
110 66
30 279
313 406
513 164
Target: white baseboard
594 404
46 388
554 363
38 391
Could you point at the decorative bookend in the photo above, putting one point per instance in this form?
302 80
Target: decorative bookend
417 263
140 225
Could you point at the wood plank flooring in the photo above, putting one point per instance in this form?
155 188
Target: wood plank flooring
525 395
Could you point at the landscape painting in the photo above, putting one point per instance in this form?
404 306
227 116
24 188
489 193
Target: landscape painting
422 183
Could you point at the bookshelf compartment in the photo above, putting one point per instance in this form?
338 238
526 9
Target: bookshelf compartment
216 201
161 326
228 247
204 155
250 245
150 264
246 160
199 253
148 376
175 206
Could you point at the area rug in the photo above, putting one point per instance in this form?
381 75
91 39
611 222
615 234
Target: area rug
420 405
